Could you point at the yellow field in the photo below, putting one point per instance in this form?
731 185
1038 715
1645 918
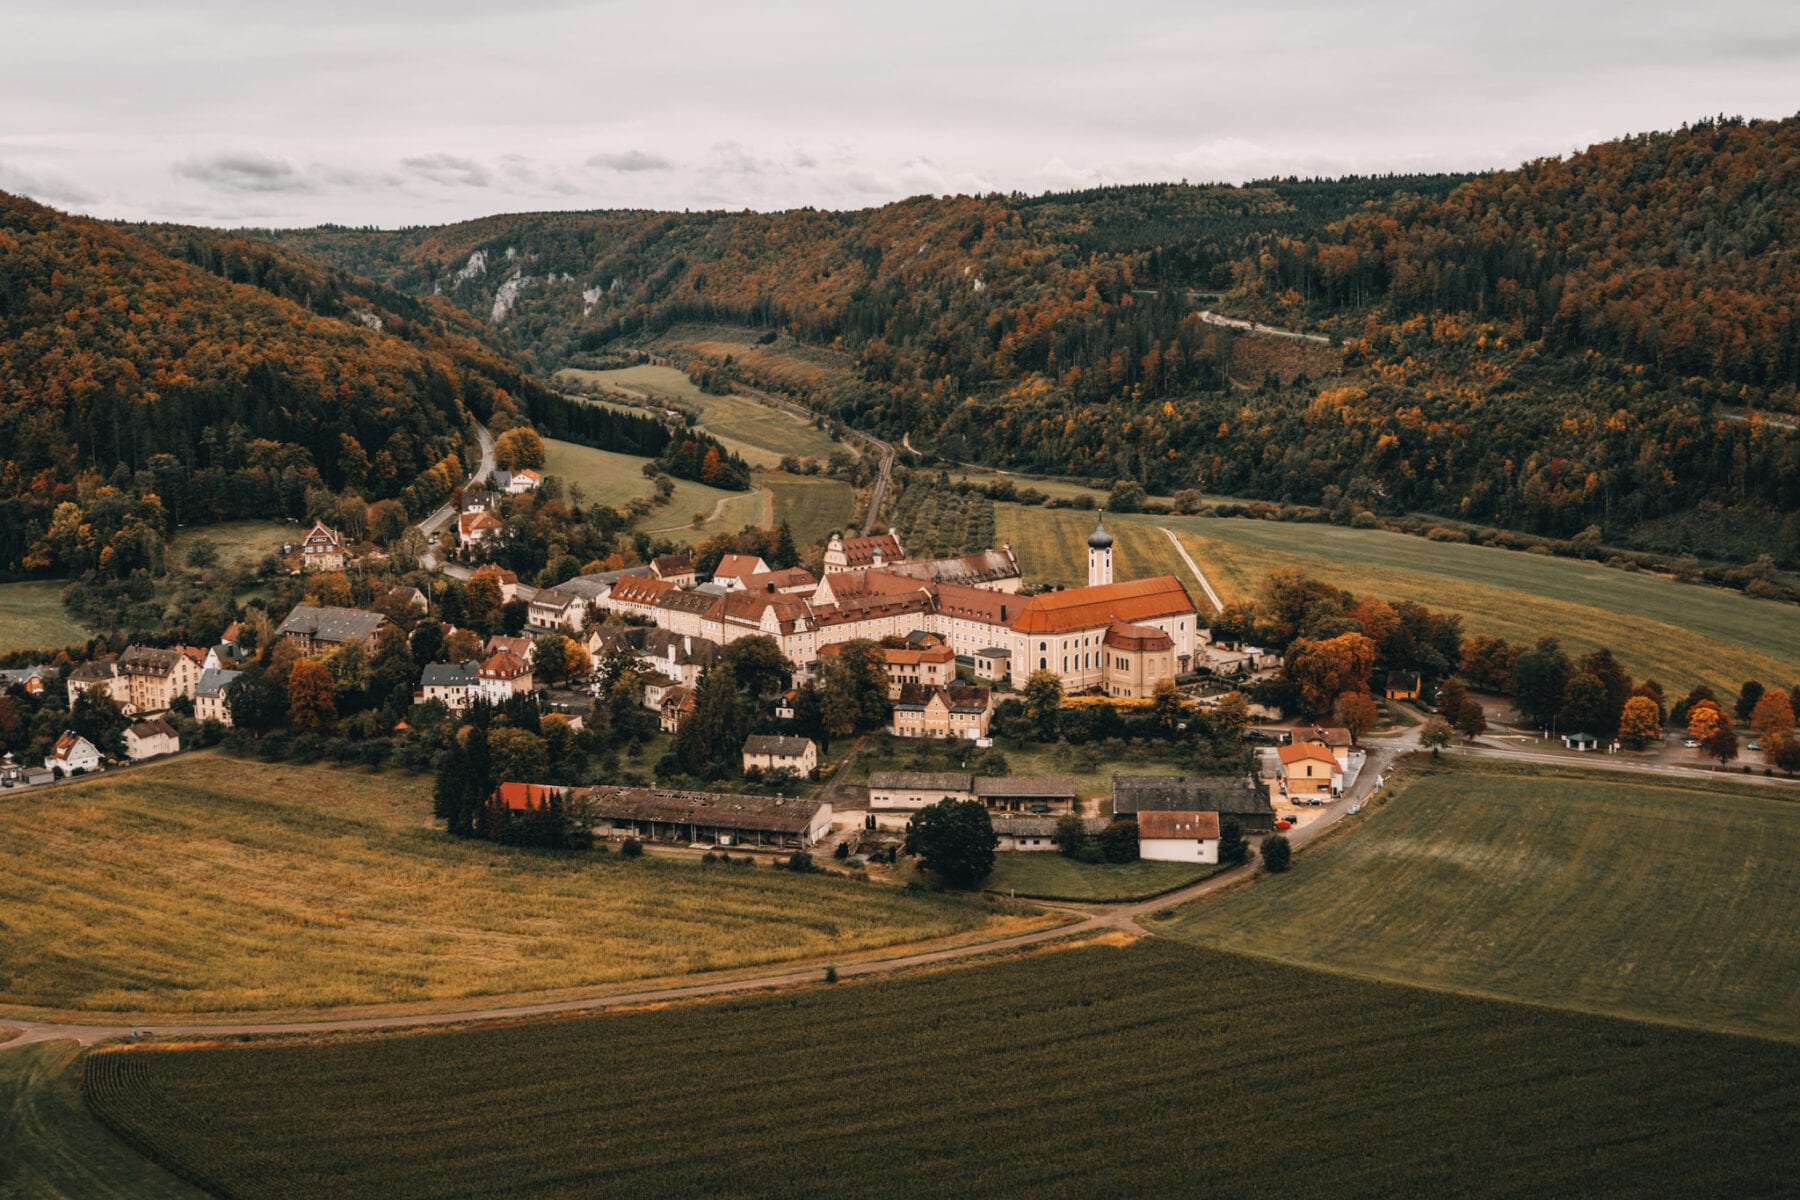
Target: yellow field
1679 634
209 884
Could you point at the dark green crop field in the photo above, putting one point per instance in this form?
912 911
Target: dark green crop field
1157 1069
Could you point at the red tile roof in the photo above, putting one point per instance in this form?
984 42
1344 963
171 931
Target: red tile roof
1177 825
1137 637
523 797
1092 607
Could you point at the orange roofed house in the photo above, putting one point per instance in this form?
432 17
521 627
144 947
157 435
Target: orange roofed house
1308 771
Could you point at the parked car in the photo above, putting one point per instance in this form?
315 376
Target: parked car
1691 744
1756 745
1284 824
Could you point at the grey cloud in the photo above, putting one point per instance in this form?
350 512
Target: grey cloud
451 170
630 161
41 187
244 171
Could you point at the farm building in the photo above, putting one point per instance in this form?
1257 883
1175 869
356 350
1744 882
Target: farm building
1025 793
1191 837
1403 686
773 752
656 814
1228 795
1024 835
895 795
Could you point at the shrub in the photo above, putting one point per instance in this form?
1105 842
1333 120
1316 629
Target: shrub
632 848
842 852
799 862
1277 853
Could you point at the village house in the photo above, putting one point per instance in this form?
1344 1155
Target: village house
1172 836
72 755
676 706
452 684
30 680
154 676
1021 835
95 674
733 569
1308 771
405 599
149 739
1402 685
772 752
321 629
324 549
523 480
955 711
521 646
1236 796
932 666
709 818
473 528
503 676
212 695
507 581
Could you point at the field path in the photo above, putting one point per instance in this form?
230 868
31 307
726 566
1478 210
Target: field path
1218 604
884 451
718 510
1213 318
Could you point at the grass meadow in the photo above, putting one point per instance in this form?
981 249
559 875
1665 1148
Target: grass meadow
32 617
1148 1069
240 543
615 479
51 1145
1614 895
1050 876
812 505
758 433
210 884
1679 633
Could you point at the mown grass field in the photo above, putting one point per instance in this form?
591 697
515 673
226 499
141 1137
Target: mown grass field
211 884
759 433
1050 876
51 1145
239 543
812 505
32 616
1680 634
615 479
1154 1069
1615 895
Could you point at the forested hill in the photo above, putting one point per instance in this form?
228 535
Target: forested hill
1574 343
139 391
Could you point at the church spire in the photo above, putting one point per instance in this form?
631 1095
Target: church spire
1100 555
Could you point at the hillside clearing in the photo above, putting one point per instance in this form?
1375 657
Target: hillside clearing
1200 1059
615 479
239 543
32 617
812 505
758 433
1637 899
210 884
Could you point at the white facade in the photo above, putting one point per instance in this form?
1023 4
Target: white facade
1188 850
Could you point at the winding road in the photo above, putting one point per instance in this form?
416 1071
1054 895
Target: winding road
434 521
1213 318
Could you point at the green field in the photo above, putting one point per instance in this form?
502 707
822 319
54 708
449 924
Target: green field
760 434
1613 895
240 543
211 884
1678 633
52 1147
812 505
615 479
1092 768
32 617
1155 1069
1051 876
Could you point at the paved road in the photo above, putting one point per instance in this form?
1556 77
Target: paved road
883 450
1205 584
435 521
1612 762
1213 318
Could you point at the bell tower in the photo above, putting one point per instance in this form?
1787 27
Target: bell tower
1100 545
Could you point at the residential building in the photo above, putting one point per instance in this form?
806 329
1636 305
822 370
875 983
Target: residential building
324 549
1309 771
503 676
31 680
453 684
1334 738
557 608
405 599
524 480
153 676
227 655
932 666
321 629
212 695
96 674
956 711
676 706
677 569
507 581
734 568
687 818
149 739
1228 795
1173 836
772 752
72 755
1403 685
473 528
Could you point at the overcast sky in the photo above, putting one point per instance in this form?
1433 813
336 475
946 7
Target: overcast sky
395 112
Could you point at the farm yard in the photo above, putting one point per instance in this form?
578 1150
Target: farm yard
32 617
1194 1059
210 884
1678 633
1660 901
1092 767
